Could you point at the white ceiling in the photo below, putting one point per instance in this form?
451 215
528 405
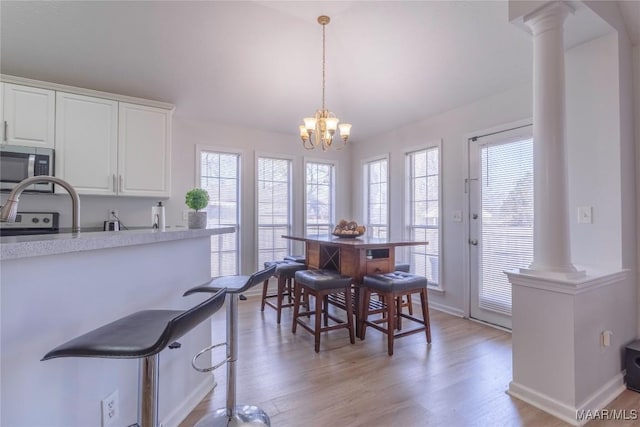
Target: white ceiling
258 64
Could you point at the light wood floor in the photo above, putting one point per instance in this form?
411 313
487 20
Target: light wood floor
459 380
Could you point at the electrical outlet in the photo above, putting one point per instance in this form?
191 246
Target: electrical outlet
111 212
185 215
585 215
110 409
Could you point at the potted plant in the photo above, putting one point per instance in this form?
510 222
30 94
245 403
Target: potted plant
197 199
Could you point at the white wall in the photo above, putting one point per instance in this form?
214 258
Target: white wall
453 128
593 151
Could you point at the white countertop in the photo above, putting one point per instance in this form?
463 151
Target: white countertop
14 247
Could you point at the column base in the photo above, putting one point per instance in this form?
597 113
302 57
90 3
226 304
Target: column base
243 415
560 363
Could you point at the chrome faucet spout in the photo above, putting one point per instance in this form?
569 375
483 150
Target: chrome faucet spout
10 208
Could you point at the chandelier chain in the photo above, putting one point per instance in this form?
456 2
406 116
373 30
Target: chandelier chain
324 26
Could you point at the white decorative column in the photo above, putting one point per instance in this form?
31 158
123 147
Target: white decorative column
559 313
551 243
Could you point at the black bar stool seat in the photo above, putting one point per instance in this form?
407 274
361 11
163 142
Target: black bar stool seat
392 287
320 284
285 270
141 335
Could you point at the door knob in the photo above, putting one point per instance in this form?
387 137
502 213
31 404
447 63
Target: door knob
473 242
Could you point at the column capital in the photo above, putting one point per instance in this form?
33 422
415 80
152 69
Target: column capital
548 17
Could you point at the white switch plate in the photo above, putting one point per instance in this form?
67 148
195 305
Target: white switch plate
585 215
456 216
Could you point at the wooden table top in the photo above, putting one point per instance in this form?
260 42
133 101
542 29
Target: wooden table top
362 242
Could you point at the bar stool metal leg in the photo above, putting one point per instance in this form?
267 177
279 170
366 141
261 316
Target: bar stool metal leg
233 414
148 383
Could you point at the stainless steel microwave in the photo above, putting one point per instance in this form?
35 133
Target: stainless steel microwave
18 162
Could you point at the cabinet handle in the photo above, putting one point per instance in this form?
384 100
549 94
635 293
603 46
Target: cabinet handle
113 179
121 183
6 127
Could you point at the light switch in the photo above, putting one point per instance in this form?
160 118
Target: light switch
585 215
457 216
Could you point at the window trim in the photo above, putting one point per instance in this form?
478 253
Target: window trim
332 215
199 149
278 156
365 186
407 211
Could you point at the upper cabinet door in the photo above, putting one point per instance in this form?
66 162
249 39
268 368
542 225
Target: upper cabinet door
144 151
87 143
29 116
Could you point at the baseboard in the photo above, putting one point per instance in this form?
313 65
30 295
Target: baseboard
605 395
551 406
179 413
445 309
568 413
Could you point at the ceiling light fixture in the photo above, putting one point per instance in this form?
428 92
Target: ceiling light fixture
318 131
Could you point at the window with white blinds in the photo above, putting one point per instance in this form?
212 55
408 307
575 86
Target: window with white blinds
507 219
423 207
220 176
376 197
274 208
319 201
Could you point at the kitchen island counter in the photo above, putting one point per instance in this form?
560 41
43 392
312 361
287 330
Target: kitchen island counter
14 247
56 287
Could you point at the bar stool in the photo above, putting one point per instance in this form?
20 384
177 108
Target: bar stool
141 335
232 414
285 270
392 287
320 284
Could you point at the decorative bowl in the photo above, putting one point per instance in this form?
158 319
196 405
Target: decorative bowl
347 236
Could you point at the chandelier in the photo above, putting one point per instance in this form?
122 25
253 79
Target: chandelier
318 131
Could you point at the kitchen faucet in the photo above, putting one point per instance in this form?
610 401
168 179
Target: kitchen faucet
10 208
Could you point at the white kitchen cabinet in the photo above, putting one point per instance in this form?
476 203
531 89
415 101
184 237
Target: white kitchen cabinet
28 116
144 150
87 143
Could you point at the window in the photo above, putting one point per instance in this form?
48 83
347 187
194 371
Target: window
423 211
319 181
220 176
274 208
507 218
376 203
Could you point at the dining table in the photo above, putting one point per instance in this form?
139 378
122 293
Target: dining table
354 256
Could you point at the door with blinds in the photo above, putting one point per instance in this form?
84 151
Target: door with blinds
501 219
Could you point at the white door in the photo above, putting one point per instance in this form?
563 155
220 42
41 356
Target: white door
28 116
501 219
87 143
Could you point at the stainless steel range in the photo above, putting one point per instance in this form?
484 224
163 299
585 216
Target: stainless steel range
28 223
